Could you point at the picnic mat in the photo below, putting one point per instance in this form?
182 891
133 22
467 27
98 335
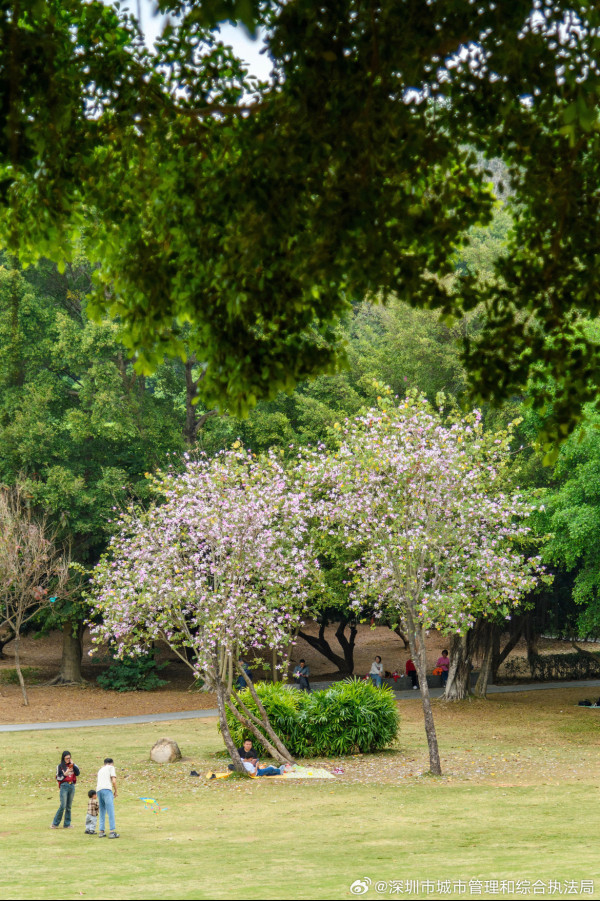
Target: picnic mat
306 772
299 772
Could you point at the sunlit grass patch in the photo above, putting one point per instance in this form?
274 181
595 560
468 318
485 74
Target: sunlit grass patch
513 784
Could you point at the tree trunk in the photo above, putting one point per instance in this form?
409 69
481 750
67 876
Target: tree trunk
18 668
532 639
5 638
193 421
459 674
495 650
498 657
263 722
286 665
321 645
347 644
480 690
191 390
72 653
419 657
401 635
229 744
274 661
244 716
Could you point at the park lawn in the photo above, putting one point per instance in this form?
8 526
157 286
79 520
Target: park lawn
518 801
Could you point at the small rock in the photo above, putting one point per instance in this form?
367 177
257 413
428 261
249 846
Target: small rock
165 751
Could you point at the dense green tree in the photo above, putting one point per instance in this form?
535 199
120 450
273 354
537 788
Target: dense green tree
392 344
570 515
260 212
79 428
486 246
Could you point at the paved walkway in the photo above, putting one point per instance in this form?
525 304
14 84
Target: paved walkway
492 689
201 714
113 721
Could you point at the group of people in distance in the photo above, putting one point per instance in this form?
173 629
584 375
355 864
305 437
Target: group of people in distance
376 673
101 800
301 675
442 666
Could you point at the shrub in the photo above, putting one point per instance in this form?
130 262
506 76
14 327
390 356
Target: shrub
350 716
283 704
132 674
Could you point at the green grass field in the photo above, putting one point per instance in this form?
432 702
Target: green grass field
518 802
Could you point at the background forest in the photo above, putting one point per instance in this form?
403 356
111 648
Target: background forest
81 432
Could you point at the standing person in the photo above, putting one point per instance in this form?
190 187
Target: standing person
376 673
443 663
66 776
301 673
91 817
411 672
106 788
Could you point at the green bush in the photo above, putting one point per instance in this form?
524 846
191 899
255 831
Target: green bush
132 674
350 716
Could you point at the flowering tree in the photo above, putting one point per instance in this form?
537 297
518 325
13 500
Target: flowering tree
217 570
32 567
421 501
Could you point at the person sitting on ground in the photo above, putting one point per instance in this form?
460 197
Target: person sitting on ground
247 752
91 817
411 672
443 663
376 673
255 770
301 673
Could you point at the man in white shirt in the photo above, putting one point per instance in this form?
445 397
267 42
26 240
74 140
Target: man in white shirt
106 789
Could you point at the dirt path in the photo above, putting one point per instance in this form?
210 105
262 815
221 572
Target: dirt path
41 656
67 703
52 705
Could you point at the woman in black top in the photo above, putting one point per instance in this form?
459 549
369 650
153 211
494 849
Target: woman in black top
66 776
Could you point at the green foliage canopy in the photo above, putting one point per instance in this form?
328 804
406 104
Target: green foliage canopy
260 211
570 516
78 427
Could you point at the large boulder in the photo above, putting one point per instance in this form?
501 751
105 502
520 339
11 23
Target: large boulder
165 751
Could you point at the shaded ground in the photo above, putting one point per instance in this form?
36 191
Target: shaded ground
381 640
67 702
54 704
